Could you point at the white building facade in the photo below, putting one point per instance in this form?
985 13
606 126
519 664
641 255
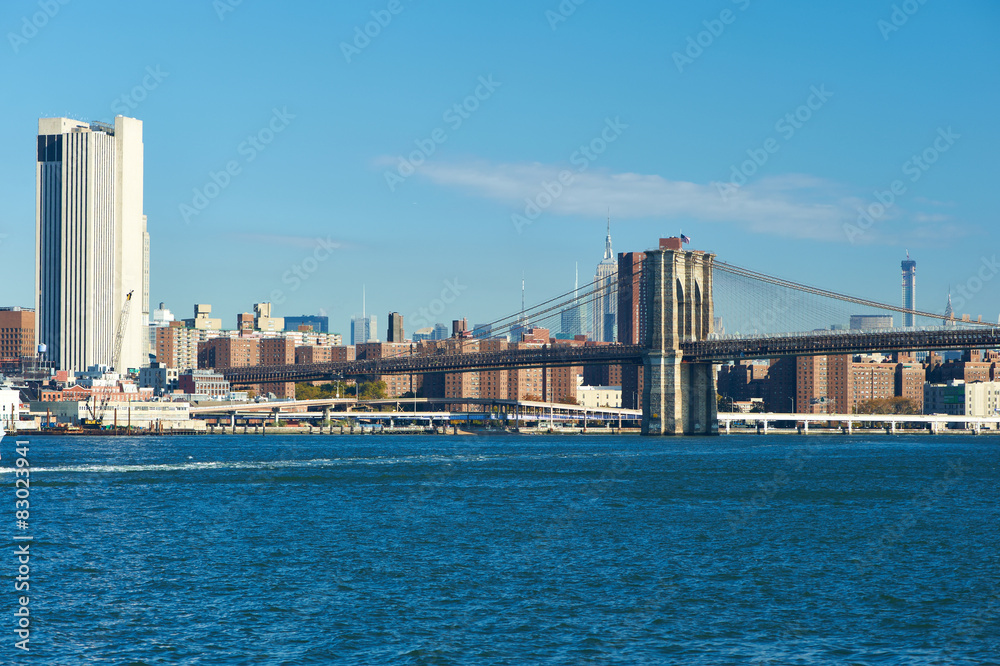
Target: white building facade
599 396
10 408
92 247
982 399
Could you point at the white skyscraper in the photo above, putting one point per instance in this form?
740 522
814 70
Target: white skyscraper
605 303
91 244
363 328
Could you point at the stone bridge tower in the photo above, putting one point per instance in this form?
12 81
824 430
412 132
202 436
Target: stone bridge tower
678 398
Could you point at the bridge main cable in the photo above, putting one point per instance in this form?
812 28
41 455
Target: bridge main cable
816 291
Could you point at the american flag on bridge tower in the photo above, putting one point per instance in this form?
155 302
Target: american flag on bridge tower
685 239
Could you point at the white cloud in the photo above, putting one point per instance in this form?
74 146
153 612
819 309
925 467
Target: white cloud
795 205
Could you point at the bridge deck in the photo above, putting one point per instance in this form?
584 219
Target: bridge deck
708 351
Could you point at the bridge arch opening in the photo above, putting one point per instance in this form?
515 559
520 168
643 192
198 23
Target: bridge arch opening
698 328
681 312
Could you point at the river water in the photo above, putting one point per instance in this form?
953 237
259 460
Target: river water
744 549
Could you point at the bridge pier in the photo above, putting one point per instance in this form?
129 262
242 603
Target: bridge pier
678 398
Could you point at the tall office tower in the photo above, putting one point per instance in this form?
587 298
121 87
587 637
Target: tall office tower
571 319
91 245
440 332
949 312
605 302
909 289
395 332
363 328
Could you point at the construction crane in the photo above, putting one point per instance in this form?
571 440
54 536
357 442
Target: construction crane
116 355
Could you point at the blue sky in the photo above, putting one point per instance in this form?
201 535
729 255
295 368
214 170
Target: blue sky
309 215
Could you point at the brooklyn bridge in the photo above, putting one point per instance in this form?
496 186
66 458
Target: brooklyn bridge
692 312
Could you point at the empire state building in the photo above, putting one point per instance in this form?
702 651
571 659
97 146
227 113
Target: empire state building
605 307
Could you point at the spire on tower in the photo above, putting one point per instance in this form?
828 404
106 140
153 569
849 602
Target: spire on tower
522 295
949 311
608 253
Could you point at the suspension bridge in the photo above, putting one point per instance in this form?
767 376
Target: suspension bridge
690 312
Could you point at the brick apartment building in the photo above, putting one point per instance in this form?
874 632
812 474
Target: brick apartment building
17 333
632 323
222 353
838 384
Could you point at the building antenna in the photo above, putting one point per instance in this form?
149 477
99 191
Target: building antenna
522 295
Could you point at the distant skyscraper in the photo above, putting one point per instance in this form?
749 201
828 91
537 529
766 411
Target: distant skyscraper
363 328
571 319
91 245
522 324
320 323
395 331
870 322
949 312
440 332
422 334
909 289
605 302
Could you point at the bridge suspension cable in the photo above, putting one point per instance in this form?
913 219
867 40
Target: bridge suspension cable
770 279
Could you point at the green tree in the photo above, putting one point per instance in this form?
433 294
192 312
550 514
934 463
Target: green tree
373 390
897 405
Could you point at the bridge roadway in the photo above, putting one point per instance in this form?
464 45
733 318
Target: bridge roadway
842 342
708 351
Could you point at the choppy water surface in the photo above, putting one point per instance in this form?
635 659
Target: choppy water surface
510 550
